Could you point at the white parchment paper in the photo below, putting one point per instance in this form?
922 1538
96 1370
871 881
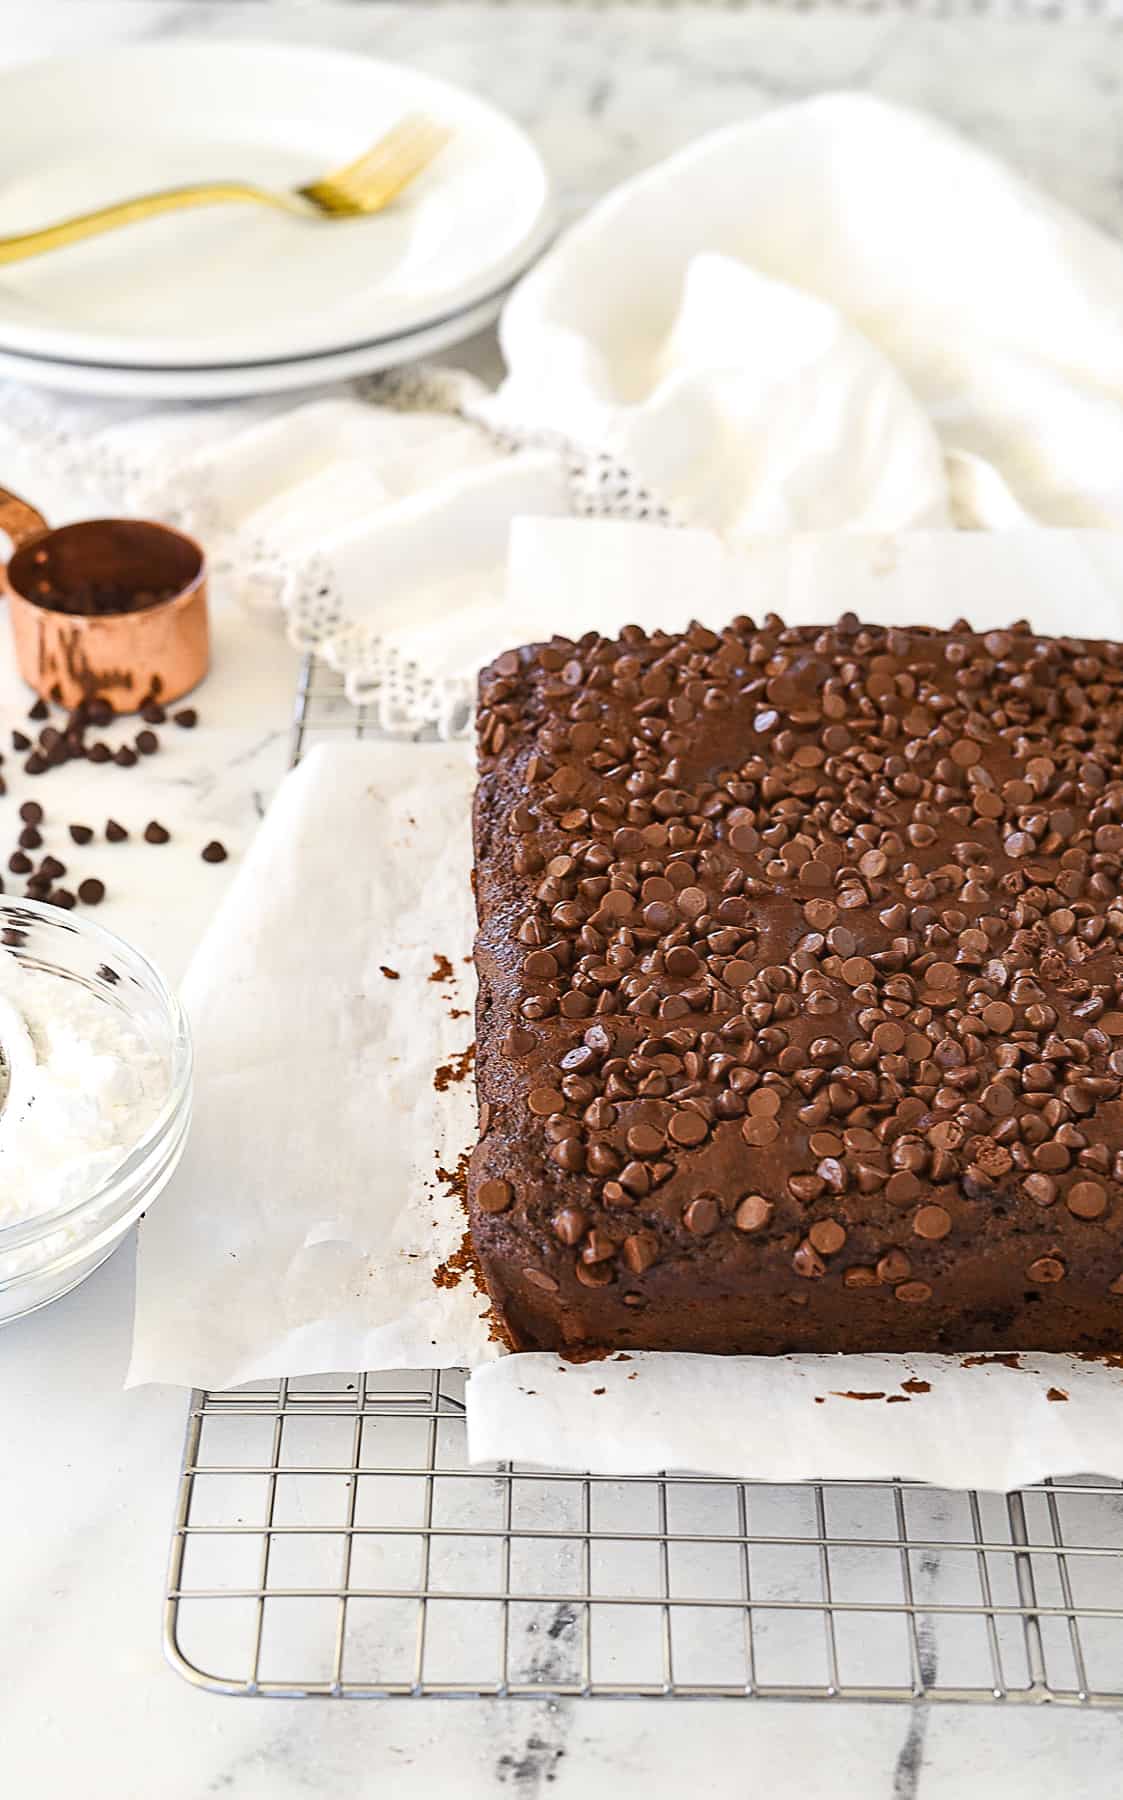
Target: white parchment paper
302 1232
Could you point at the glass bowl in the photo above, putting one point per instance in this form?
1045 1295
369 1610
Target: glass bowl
44 1257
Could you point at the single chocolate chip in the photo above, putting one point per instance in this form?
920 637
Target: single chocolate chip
827 1236
931 1222
30 838
1086 1200
20 864
81 833
187 718
62 897
31 812
91 892
494 1196
153 713
116 834
147 743
155 833
214 852
35 764
125 758
98 753
40 711
20 741
753 1213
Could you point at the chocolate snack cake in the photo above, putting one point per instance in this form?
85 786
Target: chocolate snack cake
800 1020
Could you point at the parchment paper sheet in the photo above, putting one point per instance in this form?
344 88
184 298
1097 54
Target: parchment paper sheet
302 1231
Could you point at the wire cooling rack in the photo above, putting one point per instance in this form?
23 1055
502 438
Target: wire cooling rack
332 1540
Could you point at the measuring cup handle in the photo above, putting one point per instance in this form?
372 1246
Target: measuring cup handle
18 520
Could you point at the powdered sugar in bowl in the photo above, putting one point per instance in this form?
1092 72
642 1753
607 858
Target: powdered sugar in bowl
95 1098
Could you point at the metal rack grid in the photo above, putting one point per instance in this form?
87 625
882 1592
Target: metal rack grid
332 1540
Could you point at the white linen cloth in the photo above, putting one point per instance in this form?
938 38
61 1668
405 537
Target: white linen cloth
303 1229
839 315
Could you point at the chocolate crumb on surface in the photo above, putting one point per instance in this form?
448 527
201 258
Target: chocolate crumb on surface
442 968
825 919
390 974
457 1069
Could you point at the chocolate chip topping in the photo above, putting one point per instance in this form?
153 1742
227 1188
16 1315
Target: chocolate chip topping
800 952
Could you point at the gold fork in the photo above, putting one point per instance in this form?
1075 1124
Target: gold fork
360 188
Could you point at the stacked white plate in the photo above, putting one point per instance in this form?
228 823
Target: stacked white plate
233 300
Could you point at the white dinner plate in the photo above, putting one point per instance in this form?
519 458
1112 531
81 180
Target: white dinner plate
236 284
235 381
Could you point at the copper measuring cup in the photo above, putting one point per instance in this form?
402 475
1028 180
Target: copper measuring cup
125 658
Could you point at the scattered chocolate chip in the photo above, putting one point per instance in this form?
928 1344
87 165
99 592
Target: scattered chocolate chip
1086 1200
115 834
39 711
99 753
125 758
91 892
753 1214
20 741
155 833
214 852
494 1196
30 838
62 897
187 718
153 713
81 834
31 812
35 764
147 743
20 864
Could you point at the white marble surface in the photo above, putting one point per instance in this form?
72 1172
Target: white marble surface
87 1472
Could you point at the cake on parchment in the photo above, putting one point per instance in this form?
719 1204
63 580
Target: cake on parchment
800 1019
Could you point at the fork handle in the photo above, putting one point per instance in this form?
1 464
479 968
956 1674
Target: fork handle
131 212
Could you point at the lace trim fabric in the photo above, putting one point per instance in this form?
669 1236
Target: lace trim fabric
402 698
112 448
